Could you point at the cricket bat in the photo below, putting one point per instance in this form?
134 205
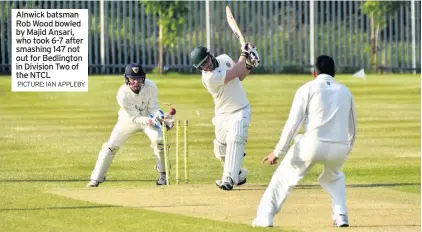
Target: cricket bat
234 27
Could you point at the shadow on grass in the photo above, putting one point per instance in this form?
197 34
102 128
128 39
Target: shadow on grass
315 186
95 207
363 226
62 208
75 180
173 206
255 186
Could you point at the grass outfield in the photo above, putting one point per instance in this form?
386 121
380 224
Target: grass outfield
51 141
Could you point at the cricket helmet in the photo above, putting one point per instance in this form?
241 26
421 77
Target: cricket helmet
199 55
134 71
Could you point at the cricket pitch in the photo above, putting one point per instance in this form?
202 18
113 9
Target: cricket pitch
308 208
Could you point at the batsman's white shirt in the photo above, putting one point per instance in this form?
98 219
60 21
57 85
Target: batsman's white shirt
325 106
135 107
228 97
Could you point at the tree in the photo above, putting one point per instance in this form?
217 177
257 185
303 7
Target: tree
378 11
171 19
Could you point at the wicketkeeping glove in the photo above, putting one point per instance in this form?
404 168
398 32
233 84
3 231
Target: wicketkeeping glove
153 121
169 123
159 115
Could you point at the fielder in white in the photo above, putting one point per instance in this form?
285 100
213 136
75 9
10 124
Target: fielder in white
222 77
139 111
327 109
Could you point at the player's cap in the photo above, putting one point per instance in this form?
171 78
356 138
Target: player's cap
134 71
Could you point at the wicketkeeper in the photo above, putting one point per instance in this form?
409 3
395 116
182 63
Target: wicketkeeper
139 111
222 77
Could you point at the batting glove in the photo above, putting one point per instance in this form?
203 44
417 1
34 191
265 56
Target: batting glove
248 63
254 58
247 48
251 54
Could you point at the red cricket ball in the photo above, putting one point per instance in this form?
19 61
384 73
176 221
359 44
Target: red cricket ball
172 111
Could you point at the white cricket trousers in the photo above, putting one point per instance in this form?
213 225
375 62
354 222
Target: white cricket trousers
231 134
300 158
122 131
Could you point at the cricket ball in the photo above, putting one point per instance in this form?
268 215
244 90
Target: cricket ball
172 111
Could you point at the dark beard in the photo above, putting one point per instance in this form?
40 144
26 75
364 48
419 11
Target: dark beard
135 91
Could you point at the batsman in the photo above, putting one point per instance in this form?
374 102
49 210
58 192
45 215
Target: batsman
222 77
139 112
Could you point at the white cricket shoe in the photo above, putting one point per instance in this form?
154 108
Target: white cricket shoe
242 176
95 183
341 221
162 180
242 180
259 223
227 184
